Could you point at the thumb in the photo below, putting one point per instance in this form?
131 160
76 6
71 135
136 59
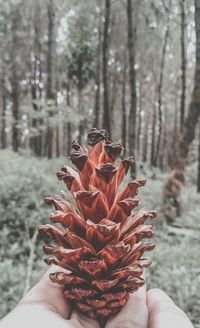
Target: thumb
163 312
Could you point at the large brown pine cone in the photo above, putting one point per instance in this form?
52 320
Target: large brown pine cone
99 239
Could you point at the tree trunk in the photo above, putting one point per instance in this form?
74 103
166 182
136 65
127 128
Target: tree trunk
15 108
172 206
40 89
98 77
198 176
15 92
153 135
35 141
132 81
81 112
57 132
124 123
175 130
50 90
160 87
105 55
69 125
145 138
139 124
198 173
113 95
69 137
164 145
3 96
183 64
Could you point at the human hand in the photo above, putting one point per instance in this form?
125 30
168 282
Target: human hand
152 309
45 305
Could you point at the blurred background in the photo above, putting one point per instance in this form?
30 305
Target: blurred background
130 66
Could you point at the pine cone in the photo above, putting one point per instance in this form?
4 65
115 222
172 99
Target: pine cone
99 239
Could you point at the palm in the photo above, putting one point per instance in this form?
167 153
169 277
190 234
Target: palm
51 307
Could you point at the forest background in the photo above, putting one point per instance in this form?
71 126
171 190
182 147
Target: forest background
131 67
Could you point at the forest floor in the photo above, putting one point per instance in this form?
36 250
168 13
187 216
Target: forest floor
24 181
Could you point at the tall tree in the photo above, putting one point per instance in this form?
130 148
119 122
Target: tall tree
3 100
105 55
98 74
50 84
124 119
160 87
173 185
3 68
145 138
15 92
183 64
80 69
69 124
198 174
36 79
139 119
153 134
132 82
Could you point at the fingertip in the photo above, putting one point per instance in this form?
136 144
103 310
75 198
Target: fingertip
157 295
157 292
156 299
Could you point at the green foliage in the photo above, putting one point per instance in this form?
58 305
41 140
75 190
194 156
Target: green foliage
24 181
23 187
11 284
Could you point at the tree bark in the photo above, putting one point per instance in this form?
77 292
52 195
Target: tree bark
175 129
160 87
172 206
113 95
69 137
105 55
132 82
15 92
183 64
69 125
164 145
36 142
145 138
175 118
124 123
153 135
198 174
3 96
50 90
81 112
139 121
98 77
